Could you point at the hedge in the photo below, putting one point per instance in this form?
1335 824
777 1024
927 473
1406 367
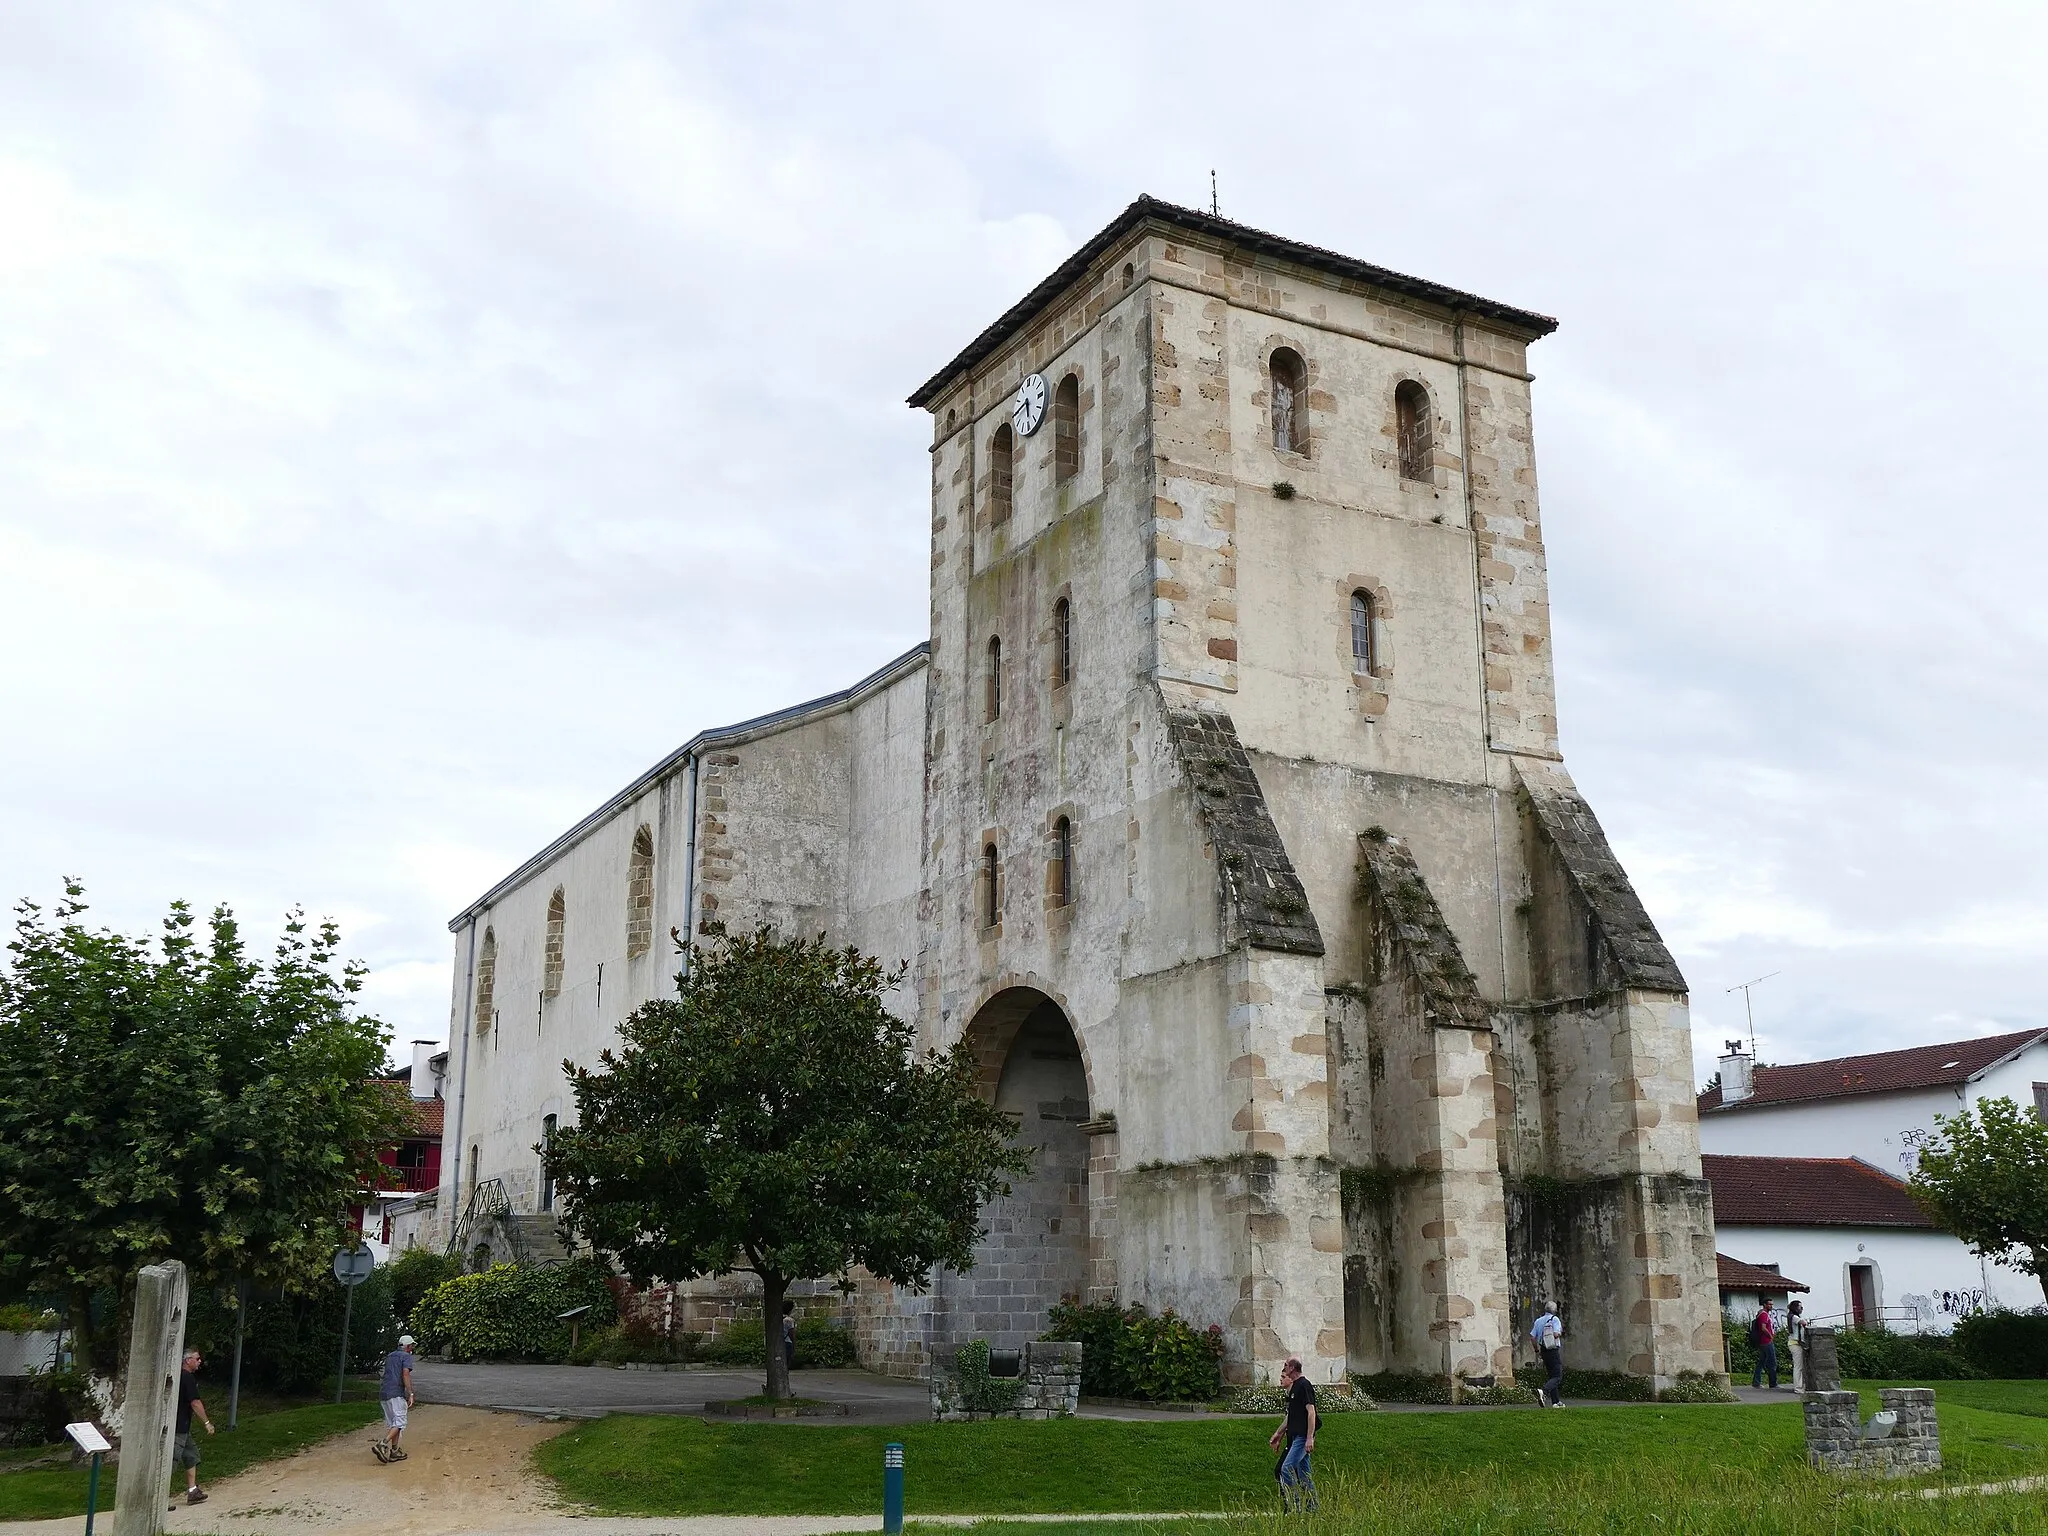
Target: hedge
513 1311
1127 1352
2004 1343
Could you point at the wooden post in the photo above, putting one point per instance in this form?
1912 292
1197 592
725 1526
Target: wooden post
155 1351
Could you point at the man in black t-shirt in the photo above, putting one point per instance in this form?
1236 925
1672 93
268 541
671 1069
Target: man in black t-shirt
183 1452
1297 1432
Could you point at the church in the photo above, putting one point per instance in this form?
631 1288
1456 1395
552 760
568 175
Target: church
1223 814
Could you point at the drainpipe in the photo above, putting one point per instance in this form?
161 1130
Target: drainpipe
690 871
463 1026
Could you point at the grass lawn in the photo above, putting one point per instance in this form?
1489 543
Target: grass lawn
51 1494
1506 1470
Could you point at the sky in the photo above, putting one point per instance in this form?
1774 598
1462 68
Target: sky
416 420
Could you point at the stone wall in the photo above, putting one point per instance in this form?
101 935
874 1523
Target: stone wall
1048 1385
1901 1439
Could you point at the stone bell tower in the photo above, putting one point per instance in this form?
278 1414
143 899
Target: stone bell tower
1250 864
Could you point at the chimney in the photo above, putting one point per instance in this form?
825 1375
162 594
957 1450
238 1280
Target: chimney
1737 1079
422 1068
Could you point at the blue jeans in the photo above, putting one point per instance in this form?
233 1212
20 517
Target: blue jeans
1766 1360
1297 1488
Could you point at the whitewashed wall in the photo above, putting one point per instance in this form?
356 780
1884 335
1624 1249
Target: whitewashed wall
1930 1274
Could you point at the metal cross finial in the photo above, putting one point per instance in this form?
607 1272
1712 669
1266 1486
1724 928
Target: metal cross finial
1215 209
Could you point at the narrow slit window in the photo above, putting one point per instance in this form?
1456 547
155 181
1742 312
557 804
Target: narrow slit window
551 955
1066 428
1062 863
991 881
640 894
1062 643
1364 650
486 981
547 1179
1411 429
994 686
1288 384
1002 458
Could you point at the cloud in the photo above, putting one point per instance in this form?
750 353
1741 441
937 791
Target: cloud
413 422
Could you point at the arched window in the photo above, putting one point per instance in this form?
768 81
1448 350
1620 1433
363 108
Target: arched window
1066 428
1364 646
486 981
991 886
640 895
1062 863
1002 455
547 1179
1411 429
551 956
994 685
1062 643
1289 385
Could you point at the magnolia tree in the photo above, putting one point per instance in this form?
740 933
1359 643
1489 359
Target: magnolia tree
775 1117
1984 1176
177 1099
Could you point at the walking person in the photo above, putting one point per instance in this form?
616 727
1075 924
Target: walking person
1763 1337
183 1452
1297 1432
396 1394
789 1334
1548 1336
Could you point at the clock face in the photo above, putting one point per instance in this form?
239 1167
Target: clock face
1029 410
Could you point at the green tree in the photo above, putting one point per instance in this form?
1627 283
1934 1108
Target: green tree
774 1116
178 1099
1984 1176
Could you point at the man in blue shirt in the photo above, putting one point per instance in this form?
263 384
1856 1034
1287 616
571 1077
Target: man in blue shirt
396 1393
1548 1337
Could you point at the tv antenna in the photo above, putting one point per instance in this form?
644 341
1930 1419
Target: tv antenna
1747 1012
1215 208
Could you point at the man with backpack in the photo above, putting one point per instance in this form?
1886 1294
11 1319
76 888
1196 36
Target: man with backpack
1548 1337
1763 1338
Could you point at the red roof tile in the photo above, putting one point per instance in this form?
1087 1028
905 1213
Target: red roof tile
427 1115
1808 1192
1919 1066
1738 1276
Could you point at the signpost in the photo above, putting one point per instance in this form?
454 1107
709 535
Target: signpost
88 1439
352 1266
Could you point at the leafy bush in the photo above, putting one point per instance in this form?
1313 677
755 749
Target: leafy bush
1271 1397
1740 1352
2005 1344
1696 1387
1504 1394
1404 1387
819 1345
1127 1352
979 1391
1877 1354
416 1272
511 1311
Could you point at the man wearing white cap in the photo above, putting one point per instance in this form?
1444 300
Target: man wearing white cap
397 1395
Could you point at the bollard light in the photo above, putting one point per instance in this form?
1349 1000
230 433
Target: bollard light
892 1489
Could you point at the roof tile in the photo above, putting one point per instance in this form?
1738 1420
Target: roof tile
1919 1066
1738 1276
1808 1192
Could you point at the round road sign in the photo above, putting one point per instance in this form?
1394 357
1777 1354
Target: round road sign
352 1266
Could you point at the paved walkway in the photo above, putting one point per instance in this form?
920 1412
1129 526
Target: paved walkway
589 1391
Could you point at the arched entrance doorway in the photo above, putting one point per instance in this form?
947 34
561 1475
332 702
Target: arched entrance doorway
1036 1247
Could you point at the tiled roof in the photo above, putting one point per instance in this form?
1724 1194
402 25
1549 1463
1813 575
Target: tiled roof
427 1115
1738 1276
1919 1066
1808 1192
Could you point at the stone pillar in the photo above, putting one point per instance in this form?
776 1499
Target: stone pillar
1902 1440
156 1348
1102 1175
1291 1291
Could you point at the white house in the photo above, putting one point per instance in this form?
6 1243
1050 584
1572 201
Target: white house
1808 1162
